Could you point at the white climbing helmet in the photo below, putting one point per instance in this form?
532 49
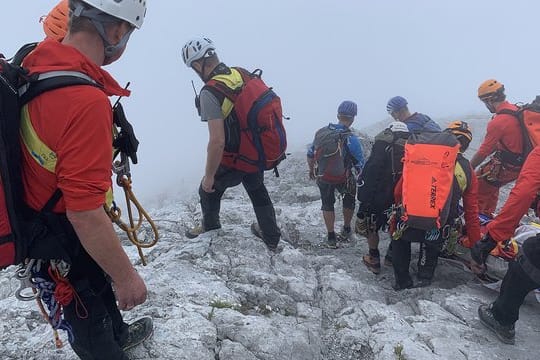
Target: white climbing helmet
196 49
398 126
132 11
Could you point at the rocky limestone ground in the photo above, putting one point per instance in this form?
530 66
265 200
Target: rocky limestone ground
224 296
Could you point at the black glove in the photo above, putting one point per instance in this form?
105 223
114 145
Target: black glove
126 141
482 248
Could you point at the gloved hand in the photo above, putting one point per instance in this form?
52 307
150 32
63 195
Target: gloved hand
481 249
125 141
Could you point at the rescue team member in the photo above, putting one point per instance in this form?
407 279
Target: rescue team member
200 55
398 108
376 189
75 124
503 142
464 186
523 274
344 147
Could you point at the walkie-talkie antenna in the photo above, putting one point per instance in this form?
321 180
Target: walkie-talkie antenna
120 97
194 90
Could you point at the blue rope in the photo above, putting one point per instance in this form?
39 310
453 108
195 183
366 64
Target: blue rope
46 287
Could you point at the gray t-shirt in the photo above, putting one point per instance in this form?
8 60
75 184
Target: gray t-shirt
210 106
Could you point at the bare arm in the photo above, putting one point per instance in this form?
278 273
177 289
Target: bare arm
216 144
97 236
311 165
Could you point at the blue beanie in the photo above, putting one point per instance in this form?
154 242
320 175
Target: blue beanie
347 108
395 104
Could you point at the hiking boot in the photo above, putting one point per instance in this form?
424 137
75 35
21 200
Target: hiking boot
194 232
138 332
256 230
372 263
344 234
198 230
331 242
407 285
505 333
423 282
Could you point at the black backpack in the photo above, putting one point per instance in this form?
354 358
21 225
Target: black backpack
330 152
17 88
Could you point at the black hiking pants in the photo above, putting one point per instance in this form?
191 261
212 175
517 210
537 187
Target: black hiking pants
427 259
97 323
257 192
521 278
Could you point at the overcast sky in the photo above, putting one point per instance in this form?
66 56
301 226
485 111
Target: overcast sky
315 54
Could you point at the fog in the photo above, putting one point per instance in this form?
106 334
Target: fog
315 54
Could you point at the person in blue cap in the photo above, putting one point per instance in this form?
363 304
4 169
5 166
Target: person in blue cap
331 158
398 108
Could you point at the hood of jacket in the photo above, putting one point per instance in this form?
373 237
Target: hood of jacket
51 55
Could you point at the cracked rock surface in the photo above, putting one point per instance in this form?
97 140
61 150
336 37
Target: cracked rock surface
224 296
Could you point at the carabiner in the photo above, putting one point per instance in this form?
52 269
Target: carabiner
24 275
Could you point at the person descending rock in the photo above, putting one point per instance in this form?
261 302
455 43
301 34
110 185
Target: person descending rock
226 163
73 126
523 275
335 151
376 189
415 223
397 107
503 142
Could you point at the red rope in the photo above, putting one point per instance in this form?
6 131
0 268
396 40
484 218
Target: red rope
64 293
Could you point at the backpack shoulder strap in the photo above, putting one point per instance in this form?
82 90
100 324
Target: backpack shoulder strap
219 88
509 112
462 173
22 53
53 80
518 115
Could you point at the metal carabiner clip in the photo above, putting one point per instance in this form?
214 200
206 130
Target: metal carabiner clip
24 275
121 168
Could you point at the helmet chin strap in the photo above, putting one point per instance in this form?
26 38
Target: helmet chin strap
490 107
98 19
110 50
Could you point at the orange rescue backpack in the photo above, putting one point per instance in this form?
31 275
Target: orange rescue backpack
428 175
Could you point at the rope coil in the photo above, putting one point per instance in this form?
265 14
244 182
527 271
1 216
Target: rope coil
131 229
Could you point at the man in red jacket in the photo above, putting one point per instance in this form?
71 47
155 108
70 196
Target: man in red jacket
67 153
523 275
503 141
